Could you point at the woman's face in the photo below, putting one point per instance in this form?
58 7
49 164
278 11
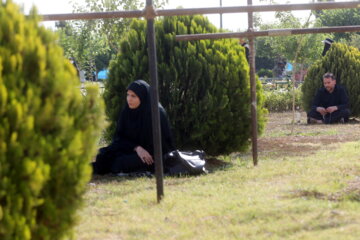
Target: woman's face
132 99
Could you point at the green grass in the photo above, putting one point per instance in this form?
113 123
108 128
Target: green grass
329 132
317 197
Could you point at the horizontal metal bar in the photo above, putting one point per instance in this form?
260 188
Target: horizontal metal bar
93 15
271 33
193 11
258 8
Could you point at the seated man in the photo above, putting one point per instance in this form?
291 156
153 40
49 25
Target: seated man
331 103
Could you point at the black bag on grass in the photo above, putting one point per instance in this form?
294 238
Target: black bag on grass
184 162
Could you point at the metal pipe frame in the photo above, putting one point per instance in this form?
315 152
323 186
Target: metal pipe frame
269 33
193 11
259 8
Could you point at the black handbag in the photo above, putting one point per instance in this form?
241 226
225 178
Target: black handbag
185 162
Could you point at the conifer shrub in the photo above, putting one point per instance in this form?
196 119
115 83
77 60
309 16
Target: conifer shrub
344 62
48 132
203 85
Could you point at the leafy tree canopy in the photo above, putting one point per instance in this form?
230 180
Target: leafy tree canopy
93 42
340 17
302 48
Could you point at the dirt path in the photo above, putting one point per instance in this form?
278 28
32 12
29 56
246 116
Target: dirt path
282 138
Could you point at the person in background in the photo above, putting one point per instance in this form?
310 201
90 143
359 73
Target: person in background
74 63
131 149
327 45
331 103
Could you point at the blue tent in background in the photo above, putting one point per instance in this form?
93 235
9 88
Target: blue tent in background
103 74
288 67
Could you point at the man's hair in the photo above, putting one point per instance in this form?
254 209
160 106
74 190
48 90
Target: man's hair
329 75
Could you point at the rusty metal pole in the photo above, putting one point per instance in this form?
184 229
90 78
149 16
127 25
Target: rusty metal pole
154 94
252 87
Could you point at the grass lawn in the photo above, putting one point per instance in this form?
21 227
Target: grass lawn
304 189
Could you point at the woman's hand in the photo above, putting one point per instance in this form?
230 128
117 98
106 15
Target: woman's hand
144 155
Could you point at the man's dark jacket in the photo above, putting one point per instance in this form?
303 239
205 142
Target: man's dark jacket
337 98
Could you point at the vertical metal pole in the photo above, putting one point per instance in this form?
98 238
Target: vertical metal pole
221 25
155 115
253 87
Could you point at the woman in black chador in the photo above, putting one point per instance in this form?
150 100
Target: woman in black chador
132 147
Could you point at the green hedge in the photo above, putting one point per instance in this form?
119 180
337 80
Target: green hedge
282 100
48 132
204 85
344 62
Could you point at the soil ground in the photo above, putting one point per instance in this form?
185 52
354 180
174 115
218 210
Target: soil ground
282 138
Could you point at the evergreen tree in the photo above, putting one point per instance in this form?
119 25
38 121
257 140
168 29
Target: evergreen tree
344 62
203 85
48 132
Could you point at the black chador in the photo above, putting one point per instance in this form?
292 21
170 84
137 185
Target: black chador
134 128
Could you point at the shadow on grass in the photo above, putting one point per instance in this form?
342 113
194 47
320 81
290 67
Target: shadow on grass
350 193
212 164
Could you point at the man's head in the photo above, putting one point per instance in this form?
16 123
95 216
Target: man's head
329 82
